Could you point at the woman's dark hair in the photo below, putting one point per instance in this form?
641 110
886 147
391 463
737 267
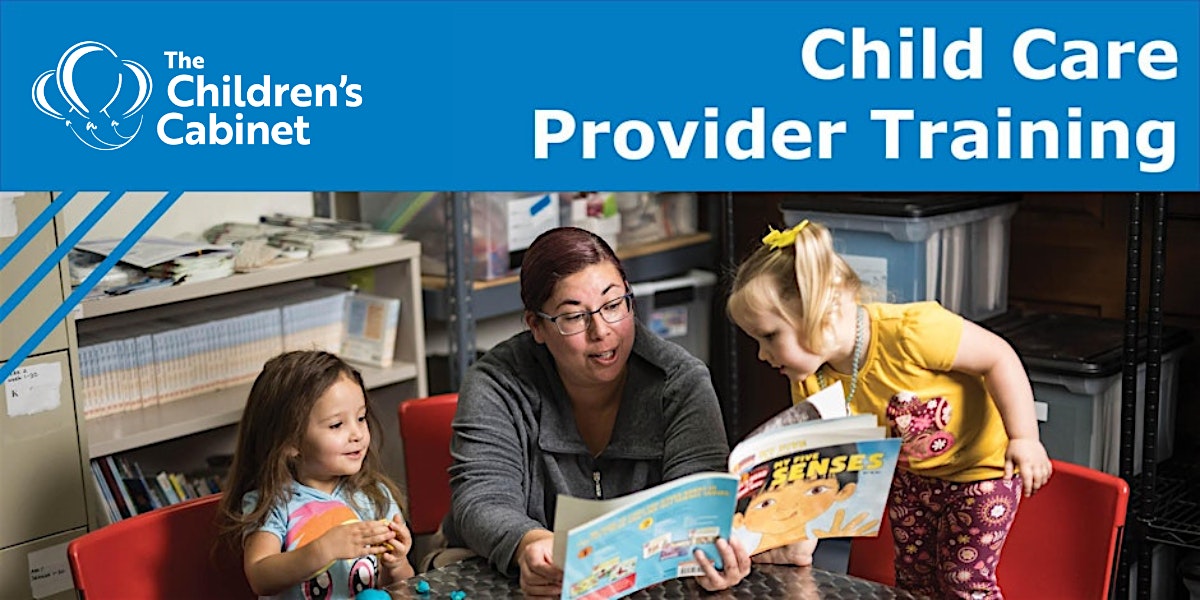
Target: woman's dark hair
560 253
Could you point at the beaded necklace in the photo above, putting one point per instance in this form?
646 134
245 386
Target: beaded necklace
858 347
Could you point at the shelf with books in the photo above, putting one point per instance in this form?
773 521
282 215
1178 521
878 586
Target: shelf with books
112 434
181 403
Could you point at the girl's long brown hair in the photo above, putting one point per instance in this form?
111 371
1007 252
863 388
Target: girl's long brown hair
274 421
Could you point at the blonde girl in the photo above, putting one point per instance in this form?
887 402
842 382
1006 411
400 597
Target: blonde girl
306 499
955 393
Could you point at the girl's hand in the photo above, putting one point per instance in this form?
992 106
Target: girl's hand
352 540
799 554
395 559
1029 457
737 566
539 577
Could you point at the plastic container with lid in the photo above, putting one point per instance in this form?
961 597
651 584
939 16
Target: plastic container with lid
947 247
678 309
503 224
1074 364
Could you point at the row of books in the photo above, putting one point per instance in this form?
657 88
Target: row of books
130 364
127 491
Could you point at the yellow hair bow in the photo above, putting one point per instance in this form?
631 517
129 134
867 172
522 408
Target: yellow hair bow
782 239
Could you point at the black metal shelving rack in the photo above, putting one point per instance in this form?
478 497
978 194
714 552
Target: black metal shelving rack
1164 506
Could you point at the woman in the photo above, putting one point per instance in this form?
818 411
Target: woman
587 403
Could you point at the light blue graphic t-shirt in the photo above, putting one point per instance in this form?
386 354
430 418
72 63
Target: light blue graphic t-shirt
306 516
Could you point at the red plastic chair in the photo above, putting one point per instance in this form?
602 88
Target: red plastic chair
165 553
425 434
1062 544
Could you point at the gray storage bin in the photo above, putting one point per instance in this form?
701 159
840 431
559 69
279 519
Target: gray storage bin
678 309
1074 364
952 248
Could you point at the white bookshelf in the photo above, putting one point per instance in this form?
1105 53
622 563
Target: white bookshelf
392 271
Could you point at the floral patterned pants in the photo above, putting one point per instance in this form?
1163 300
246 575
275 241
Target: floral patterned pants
949 535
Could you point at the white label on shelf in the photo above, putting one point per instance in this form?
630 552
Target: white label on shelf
529 217
8 214
33 389
669 322
1042 410
872 270
49 572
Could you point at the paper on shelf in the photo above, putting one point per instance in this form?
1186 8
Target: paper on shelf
150 251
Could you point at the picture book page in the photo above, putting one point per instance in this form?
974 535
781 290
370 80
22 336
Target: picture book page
645 541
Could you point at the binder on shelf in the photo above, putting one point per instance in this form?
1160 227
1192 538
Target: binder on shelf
370 323
120 497
167 488
110 505
139 493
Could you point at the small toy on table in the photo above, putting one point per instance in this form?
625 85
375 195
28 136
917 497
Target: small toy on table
372 594
422 587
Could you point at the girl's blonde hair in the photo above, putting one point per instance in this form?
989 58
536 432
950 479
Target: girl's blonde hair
274 421
801 281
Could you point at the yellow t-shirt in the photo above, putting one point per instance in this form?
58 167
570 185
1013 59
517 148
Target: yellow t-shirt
950 424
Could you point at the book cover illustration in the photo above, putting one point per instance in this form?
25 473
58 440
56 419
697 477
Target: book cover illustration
370 329
836 489
810 479
644 538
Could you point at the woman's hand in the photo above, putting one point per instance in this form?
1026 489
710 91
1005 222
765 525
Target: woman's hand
736 559
1029 457
352 540
799 554
539 577
395 560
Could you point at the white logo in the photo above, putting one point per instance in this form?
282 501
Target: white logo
104 92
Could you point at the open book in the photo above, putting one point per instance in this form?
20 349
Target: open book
788 482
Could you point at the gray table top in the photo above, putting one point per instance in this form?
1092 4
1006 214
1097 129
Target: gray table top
478 580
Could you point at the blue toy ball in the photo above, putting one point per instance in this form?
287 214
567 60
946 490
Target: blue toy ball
373 594
422 587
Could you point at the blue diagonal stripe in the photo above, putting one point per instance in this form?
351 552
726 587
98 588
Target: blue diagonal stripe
31 230
57 255
61 312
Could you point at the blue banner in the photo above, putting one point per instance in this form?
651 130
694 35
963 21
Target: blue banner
1044 96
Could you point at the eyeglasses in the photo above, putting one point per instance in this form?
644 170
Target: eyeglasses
572 323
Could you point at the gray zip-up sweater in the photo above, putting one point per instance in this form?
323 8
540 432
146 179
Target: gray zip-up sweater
516 446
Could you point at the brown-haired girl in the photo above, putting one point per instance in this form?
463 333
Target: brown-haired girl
306 499
955 393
